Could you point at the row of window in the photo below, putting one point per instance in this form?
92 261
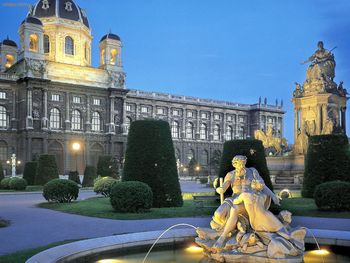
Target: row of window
76 120
76 99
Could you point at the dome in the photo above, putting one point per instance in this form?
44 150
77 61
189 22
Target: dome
66 9
32 20
9 42
110 36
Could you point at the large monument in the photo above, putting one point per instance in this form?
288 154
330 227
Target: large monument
320 103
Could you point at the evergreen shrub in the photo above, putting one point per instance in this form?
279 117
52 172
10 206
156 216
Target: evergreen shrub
61 191
17 183
46 170
107 166
103 185
150 158
74 176
5 183
30 172
89 176
326 160
1 172
255 153
333 195
131 196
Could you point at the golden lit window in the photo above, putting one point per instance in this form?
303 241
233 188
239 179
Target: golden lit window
10 59
114 54
103 52
33 43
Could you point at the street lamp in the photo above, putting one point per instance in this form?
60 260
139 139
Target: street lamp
76 147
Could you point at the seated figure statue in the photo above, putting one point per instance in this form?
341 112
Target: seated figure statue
243 225
251 197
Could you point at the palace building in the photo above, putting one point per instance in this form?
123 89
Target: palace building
51 97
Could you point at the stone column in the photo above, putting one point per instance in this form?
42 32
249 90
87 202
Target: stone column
198 124
184 122
88 114
210 128
29 118
224 128
111 128
343 119
124 117
44 120
14 112
67 120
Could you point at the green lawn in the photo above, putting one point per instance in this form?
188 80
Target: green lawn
101 207
307 207
23 255
29 188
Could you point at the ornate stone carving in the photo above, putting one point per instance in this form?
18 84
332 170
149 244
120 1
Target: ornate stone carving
35 68
116 79
269 140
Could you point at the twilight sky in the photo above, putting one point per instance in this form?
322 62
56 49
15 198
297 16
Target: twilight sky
234 50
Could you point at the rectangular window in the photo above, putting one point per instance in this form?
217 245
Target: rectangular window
144 109
175 112
229 118
76 99
189 114
128 107
204 115
2 95
97 102
160 111
55 97
216 117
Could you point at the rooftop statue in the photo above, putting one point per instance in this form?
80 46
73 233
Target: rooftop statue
243 228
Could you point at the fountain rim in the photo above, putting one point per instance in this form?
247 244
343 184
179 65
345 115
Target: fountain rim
115 243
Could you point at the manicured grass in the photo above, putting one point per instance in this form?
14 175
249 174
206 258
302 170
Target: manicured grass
23 255
307 207
101 207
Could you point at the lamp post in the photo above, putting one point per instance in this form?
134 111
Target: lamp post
14 162
76 147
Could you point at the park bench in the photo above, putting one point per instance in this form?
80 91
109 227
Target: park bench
200 201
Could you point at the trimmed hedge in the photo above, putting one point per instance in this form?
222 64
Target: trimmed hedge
74 176
131 196
30 172
107 166
334 195
1 172
103 185
326 160
89 176
61 191
150 158
5 183
255 153
17 183
46 170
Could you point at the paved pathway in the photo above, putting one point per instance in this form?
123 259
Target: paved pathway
32 227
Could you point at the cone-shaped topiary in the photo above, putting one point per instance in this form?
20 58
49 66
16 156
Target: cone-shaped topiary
46 170
107 166
150 158
30 172
89 175
326 160
74 176
255 153
1 172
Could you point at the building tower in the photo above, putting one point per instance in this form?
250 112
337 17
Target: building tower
8 54
319 104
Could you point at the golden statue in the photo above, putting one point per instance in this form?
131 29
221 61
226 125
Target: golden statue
242 224
269 140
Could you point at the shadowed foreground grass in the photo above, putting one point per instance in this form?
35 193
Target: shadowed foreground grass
101 207
23 255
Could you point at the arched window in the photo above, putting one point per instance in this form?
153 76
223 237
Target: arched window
3 117
189 130
96 122
216 133
33 43
204 159
229 133
76 120
203 133
55 118
3 151
114 54
103 53
46 44
86 51
10 60
241 132
128 121
190 155
69 45
175 129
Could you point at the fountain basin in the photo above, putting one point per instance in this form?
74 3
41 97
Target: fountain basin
85 250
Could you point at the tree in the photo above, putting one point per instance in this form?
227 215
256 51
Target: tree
326 160
255 153
1 172
107 166
89 175
215 161
150 158
30 172
46 170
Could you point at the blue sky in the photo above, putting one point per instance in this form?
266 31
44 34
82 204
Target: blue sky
235 50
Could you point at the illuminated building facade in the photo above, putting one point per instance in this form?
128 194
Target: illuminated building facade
51 97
